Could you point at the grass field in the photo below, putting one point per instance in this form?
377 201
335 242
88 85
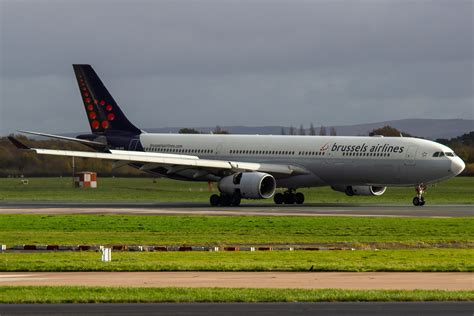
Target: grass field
419 260
459 190
61 294
211 230
422 237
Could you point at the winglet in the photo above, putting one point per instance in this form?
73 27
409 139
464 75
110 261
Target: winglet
17 143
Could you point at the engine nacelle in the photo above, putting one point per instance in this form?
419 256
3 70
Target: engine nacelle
250 185
351 190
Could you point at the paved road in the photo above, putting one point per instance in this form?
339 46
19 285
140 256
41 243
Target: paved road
343 309
305 280
246 209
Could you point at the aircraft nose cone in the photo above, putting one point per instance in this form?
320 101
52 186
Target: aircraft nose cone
457 166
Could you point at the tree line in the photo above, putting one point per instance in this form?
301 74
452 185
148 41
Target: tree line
14 162
323 130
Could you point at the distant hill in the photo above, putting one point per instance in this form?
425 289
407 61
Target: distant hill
427 128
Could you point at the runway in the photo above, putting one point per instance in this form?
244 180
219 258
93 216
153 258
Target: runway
374 210
302 280
334 308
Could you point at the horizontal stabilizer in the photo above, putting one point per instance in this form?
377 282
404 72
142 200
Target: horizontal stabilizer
82 141
17 143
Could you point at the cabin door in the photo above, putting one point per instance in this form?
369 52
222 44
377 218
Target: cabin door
411 155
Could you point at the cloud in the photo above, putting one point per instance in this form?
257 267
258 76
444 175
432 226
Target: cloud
238 62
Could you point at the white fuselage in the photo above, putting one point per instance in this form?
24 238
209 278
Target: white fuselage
330 160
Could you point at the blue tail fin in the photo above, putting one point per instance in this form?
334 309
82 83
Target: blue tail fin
102 111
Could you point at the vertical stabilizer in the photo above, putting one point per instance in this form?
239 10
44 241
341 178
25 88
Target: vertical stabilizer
102 111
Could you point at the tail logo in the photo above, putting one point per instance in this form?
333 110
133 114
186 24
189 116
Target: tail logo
103 113
95 124
325 147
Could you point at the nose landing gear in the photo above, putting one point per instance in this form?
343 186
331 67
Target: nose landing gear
418 200
289 197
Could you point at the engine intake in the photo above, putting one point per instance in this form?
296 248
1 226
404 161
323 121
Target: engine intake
367 190
250 185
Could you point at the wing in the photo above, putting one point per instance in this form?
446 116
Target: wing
173 163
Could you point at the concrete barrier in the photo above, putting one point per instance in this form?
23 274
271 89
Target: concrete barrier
231 249
174 248
135 248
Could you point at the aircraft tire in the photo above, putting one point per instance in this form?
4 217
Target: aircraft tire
235 200
422 201
299 198
289 198
416 201
226 200
215 200
278 198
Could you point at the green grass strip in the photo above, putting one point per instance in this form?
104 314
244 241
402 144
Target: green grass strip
459 190
166 230
419 260
61 294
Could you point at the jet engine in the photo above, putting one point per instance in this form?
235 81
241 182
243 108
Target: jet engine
250 185
351 190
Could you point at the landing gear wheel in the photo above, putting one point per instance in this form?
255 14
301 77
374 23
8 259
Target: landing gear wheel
419 200
226 200
416 201
422 201
289 198
278 198
299 198
235 200
215 200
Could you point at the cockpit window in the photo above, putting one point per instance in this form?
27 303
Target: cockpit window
449 154
441 154
436 154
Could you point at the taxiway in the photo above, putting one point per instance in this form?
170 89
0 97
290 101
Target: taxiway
32 207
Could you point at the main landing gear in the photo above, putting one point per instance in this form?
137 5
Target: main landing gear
225 200
418 200
289 197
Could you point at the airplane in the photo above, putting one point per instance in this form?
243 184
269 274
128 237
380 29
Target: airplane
254 166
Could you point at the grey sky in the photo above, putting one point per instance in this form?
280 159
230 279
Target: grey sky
202 63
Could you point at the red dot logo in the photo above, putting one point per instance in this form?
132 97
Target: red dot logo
111 116
105 124
90 107
102 102
92 115
108 107
95 124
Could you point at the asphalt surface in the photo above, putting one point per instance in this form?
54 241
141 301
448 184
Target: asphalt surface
245 209
353 309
